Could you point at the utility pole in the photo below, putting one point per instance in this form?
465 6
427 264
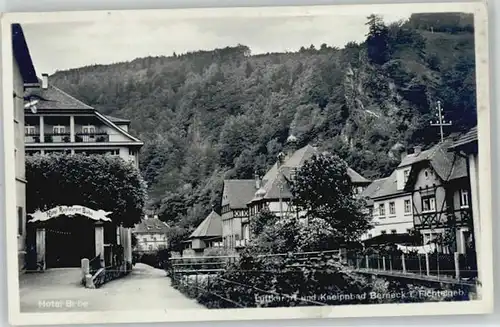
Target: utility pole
440 122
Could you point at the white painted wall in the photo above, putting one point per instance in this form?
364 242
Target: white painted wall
401 220
151 241
20 165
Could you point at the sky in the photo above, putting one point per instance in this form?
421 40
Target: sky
61 46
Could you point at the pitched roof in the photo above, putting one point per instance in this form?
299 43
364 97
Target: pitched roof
389 186
238 192
22 55
296 160
118 120
372 189
55 98
356 177
447 165
151 225
467 138
209 227
271 179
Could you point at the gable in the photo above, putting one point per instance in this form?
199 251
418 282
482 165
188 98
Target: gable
125 136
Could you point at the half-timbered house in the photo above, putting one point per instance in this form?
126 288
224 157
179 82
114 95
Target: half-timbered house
439 187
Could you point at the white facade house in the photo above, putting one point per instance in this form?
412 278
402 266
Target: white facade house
151 235
59 123
64 124
391 205
25 81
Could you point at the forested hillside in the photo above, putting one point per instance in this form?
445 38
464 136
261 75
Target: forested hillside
225 113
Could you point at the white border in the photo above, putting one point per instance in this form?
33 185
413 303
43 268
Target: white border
485 305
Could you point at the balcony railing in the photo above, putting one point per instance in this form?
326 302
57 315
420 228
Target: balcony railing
91 137
34 137
57 137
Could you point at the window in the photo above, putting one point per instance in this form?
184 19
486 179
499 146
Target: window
20 221
383 232
406 175
58 129
464 198
408 230
29 130
393 231
428 204
132 152
407 206
89 129
392 208
145 240
150 247
370 235
381 209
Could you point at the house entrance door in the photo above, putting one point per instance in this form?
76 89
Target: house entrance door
68 240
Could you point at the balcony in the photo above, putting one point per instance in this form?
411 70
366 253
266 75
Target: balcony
34 137
57 138
96 137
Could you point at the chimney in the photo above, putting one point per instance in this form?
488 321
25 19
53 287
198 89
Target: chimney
417 150
403 155
258 181
145 217
45 81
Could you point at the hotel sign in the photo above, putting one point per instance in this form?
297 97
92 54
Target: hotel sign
69 211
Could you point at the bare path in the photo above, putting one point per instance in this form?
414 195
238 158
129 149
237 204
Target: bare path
58 290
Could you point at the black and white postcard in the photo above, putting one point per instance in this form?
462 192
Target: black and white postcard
247 163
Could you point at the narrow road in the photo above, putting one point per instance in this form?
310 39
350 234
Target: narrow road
58 290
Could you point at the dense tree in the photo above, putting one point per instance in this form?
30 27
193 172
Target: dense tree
209 115
98 182
323 191
377 41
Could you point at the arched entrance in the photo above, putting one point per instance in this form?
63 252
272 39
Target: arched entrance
68 241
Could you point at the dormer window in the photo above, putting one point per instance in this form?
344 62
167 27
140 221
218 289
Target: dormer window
406 174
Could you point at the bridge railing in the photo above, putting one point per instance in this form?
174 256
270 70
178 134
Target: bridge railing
455 266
